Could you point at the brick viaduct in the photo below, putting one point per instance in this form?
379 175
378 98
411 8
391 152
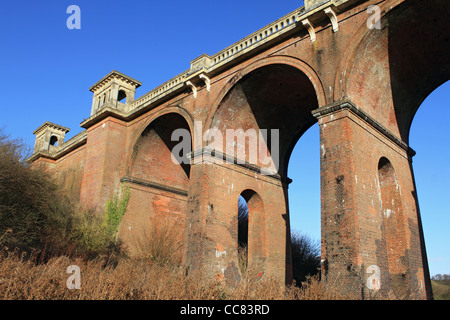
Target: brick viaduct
327 62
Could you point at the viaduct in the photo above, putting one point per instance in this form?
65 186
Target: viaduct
358 68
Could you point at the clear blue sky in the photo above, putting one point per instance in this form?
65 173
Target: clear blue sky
46 70
430 138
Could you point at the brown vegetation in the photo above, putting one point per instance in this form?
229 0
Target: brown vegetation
134 279
42 233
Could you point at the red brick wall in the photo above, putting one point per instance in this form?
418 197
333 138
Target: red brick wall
105 157
356 196
158 184
69 172
212 221
353 63
149 207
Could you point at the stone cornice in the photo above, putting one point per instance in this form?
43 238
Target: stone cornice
68 146
40 154
155 185
349 105
114 75
248 46
102 114
51 125
205 66
211 153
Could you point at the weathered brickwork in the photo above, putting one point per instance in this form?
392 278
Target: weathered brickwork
319 64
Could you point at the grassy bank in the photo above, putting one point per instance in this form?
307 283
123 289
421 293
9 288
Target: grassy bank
134 279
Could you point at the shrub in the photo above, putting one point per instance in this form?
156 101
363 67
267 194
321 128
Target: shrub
91 238
44 225
37 216
34 213
305 257
115 209
162 243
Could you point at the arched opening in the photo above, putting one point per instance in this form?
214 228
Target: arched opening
420 67
276 99
242 240
251 233
122 96
152 154
305 206
410 60
393 228
158 182
99 102
54 141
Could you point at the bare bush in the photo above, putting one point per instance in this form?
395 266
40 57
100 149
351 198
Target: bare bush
305 257
162 243
32 207
35 213
138 279
42 233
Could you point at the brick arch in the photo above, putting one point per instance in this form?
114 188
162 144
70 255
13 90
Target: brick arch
158 186
297 91
156 139
137 133
407 57
284 60
346 63
355 87
257 229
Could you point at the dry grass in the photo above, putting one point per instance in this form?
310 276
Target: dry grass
139 279
51 234
162 242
